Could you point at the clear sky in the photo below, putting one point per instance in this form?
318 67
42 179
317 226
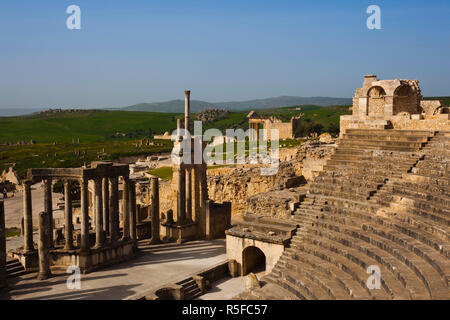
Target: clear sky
146 51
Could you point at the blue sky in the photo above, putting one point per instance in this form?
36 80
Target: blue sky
146 51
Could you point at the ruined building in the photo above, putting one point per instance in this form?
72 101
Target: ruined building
375 222
286 130
197 217
394 104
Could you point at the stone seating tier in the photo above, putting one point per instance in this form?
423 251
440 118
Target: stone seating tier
382 199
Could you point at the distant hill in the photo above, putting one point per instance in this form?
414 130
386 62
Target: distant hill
13 112
198 105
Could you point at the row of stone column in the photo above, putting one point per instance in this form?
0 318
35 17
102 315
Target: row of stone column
254 134
190 178
106 212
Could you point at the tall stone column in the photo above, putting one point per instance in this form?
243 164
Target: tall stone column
181 194
106 215
84 246
132 195
68 215
48 207
187 110
44 244
179 129
3 282
114 211
126 208
189 194
98 212
27 218
155 210
197 194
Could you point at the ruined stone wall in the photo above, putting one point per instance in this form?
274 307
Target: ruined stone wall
376 102
238 185
276 204
284 129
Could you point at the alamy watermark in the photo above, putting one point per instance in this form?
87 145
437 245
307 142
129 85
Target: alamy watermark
74 20
374 280
74 280
374 20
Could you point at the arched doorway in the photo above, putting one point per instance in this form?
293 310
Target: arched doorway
405 100
253 260
376 102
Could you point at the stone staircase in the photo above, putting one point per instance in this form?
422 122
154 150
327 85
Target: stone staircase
382 200
191 289
14 268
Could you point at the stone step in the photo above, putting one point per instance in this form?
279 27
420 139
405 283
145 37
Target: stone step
354 264
360 219
411 138
408 251
367 144
14 269
323 276
303 286
406 277
382 132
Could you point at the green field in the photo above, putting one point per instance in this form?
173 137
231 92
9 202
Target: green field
89 126
110 135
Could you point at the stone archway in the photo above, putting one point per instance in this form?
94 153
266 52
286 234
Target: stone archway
376 101
253 260
405 100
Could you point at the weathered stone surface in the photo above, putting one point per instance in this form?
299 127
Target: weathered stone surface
251 281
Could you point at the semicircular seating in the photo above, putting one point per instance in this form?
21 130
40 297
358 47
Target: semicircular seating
382 200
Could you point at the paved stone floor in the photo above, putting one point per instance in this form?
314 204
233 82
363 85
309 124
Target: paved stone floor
225 289
14 206
155 266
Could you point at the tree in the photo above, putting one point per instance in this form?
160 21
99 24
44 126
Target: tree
333 129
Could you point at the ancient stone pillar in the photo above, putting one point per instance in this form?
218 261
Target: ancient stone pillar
138 214
68 228
132 195
44 246
187 110
181 196
48 207
155 210
84 246
3 282
189 194
126 208
114 211
197 194
27 218
105 186
178 129
98 212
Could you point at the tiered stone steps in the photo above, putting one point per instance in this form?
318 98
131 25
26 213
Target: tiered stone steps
191 289
14 269
352 219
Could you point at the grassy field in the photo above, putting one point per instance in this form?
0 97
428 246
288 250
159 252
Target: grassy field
110 135
70 155
89 126
165 173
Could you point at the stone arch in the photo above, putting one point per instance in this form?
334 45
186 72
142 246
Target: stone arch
253 260
405 100
376 101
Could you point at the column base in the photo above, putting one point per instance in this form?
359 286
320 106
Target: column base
180 233
44 275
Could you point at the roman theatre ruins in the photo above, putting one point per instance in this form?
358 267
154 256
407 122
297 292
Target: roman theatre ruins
363 216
